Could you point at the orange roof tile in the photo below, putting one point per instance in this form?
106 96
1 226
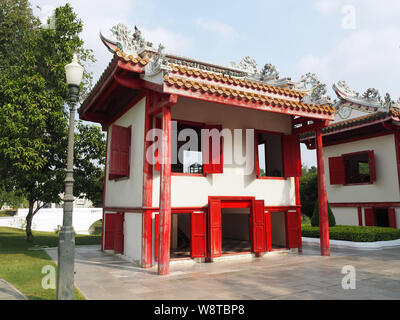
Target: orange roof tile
248 96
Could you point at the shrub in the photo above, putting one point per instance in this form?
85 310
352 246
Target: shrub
354 233
315 216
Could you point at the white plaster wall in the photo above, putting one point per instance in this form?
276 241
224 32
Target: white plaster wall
128 192
194 191
50 219
385 188
133 237
346 216
278 233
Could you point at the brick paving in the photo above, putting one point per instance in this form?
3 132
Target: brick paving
283 276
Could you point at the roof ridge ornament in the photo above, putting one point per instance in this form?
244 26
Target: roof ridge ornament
269 74
131 43
315 89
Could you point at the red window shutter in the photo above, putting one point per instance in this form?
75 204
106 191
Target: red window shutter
215 232
212 161
291 156
198 235
292 229
258 226
156 236
157 155
120 151
372 170
268 230
109 231
392 218
337 173
369 217
119 233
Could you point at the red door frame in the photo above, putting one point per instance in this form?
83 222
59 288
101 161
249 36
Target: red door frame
227 202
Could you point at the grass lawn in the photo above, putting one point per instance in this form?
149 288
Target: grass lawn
23 267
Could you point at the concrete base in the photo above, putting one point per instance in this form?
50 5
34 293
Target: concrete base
354 245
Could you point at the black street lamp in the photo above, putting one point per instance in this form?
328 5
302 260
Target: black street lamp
66 247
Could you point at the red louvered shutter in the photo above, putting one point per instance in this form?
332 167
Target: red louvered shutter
291 156
392 218
109 231
369 217
268 230
292 229
337 173
212 160
372 170
120 151
258 226
119 233
198 235
215 232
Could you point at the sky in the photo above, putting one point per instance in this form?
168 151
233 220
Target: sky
353 40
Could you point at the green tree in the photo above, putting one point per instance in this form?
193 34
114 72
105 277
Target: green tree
33 100
308 190
12 198
315 217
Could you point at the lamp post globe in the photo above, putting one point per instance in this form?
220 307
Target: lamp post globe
66 247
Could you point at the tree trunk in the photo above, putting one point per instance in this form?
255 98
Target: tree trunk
28 228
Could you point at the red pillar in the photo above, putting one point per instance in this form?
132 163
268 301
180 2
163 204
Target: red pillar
322 198
147 200
165 194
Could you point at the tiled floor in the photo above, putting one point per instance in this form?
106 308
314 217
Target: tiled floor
282 276
9 292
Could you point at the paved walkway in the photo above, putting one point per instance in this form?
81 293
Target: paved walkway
285 276
8 292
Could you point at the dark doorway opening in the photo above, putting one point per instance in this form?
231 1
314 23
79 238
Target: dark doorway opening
180 236
235 237
381 217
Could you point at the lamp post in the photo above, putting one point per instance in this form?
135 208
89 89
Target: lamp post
66 247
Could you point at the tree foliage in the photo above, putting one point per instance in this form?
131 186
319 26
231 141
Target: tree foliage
315 216
33 100
308 190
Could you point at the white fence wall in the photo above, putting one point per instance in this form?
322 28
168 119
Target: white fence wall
50 219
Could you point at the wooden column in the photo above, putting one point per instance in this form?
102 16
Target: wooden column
322 198
165 194
147 199
298 203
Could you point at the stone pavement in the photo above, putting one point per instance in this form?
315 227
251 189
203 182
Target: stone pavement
8 292
284 276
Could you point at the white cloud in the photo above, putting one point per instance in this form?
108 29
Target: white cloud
327 6
368 56
174 42
223 30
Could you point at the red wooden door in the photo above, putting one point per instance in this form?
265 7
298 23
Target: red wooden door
392 218
292 229
156 236
258 227
369 217
214 229
198 240
109 231
119 233
268 230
